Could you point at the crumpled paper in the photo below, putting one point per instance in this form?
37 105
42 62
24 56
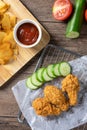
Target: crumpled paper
67 120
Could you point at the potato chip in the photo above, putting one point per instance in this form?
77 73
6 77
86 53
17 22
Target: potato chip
13 19
16 52
6 25
8 47
2 4
6 53
9 39
2 36
3 7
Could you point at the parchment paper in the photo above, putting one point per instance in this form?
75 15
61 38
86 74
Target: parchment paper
74 117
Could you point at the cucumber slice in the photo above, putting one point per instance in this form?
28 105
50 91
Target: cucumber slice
29 84
35 81
56 70
50 71
64 68
45 76
39 74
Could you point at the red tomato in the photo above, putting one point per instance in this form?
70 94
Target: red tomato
86 15
62 9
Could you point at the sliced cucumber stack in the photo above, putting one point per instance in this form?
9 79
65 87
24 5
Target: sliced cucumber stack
45 76
42 75
35 81
64 68
56 70
30 85
50 70
39 74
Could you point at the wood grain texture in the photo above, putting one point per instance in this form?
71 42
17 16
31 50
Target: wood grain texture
42 10
25 55
10 123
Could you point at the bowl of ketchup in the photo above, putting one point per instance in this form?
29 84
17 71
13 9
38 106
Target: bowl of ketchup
27 33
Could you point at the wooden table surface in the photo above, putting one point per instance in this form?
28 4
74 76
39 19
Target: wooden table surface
42 10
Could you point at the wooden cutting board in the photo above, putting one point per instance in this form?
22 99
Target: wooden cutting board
7 71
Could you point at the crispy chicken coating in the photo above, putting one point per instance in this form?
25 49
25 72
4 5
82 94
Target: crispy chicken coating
64 106
55 96
53 102
70 85
55 110
44 108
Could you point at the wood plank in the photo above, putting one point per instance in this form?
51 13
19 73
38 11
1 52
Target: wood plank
10 123
25 55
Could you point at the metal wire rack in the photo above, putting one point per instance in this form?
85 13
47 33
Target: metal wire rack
50 55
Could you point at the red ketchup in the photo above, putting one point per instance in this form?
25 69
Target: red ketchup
27 33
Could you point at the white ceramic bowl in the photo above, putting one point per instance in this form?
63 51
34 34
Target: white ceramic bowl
15 33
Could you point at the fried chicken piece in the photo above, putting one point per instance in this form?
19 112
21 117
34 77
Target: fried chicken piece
53 102
56 97
70 85
42 107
